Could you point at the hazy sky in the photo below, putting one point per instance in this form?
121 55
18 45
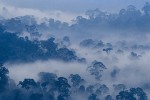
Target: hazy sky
74 5
64 10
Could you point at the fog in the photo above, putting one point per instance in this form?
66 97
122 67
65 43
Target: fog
31 70
59 54
133 71
8 11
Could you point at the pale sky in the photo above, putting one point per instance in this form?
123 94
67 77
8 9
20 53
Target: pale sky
64 10
75 5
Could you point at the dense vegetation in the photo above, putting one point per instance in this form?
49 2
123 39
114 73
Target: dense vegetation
53 87
127 19
21 42
15 48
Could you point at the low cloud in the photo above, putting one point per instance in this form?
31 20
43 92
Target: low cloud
8 11
30 70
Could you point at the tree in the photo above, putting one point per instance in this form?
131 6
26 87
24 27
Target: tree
66 54
76 80
122 12
50 78
65 42
102 89
125 95
132 94
90 89
107 50
92 13
2 29
47 82
109 97
96 69
3 78
82 89
60 97
119 87
146 8
18 95
63 86
139 92
134 55
36 96
93 97
87 43
28 84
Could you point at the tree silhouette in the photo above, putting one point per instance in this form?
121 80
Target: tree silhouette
76 80
146 8
3 78
96 69
28 84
